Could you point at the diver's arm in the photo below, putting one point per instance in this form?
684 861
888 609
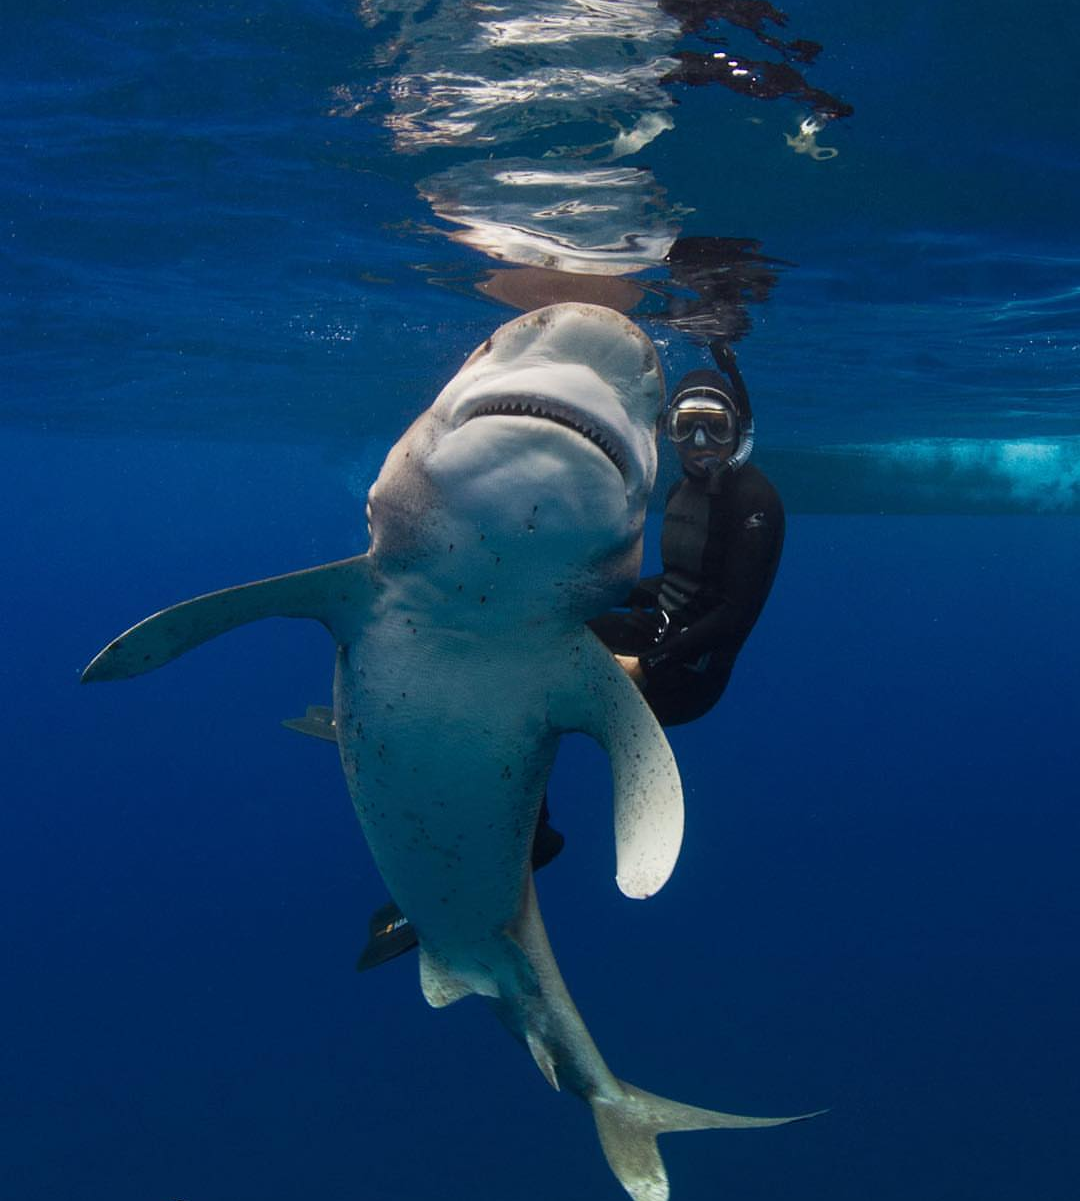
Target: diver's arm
743 589
644 593
719 629
631 664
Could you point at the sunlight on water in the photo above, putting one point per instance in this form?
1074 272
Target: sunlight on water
1040 475
935 475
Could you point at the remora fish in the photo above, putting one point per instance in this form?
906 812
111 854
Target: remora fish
508 513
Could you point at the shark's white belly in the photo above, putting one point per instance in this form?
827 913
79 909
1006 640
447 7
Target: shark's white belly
446 747
508 514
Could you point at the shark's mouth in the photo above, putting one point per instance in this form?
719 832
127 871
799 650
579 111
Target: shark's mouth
544 408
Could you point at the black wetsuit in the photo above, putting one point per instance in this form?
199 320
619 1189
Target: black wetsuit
720 547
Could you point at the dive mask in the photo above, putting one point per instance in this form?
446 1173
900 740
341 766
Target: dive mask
714 418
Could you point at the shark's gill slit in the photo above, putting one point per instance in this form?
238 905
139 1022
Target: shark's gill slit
546 410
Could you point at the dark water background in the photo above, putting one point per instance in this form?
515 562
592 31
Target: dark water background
214 323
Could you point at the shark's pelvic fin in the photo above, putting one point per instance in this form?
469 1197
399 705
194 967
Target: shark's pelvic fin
648 792
629 1121
336 594
442 987
317 722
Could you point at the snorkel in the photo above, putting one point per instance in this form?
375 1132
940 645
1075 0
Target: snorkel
725 360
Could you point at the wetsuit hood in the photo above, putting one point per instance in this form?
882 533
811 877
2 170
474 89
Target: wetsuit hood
706 384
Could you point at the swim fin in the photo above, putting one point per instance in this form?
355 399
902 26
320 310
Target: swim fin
391 935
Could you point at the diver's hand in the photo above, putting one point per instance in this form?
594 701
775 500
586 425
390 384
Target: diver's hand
631 664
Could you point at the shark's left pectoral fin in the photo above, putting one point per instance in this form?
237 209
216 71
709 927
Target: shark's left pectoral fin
606 705
336 594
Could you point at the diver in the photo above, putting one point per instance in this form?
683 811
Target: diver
678 634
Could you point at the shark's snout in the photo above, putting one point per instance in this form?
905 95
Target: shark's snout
583 367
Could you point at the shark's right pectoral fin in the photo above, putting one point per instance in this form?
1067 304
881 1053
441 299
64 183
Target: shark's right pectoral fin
605 704
336 594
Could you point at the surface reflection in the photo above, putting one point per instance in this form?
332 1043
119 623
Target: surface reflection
546 105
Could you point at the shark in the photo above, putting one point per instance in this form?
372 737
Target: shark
508 514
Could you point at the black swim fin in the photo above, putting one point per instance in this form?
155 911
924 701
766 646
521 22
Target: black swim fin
547 842
391 935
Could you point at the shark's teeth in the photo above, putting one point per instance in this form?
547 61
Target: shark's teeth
545 410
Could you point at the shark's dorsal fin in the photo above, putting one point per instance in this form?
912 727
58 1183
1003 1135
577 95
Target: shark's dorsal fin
317 722
336 594
603 703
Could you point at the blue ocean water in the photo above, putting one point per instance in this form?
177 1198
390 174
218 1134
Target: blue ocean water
229 282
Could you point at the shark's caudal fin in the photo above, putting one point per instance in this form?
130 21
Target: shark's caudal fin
628 1119
335 594
629 1122
606 705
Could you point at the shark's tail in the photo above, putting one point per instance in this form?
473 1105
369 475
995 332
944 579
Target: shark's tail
629 1120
